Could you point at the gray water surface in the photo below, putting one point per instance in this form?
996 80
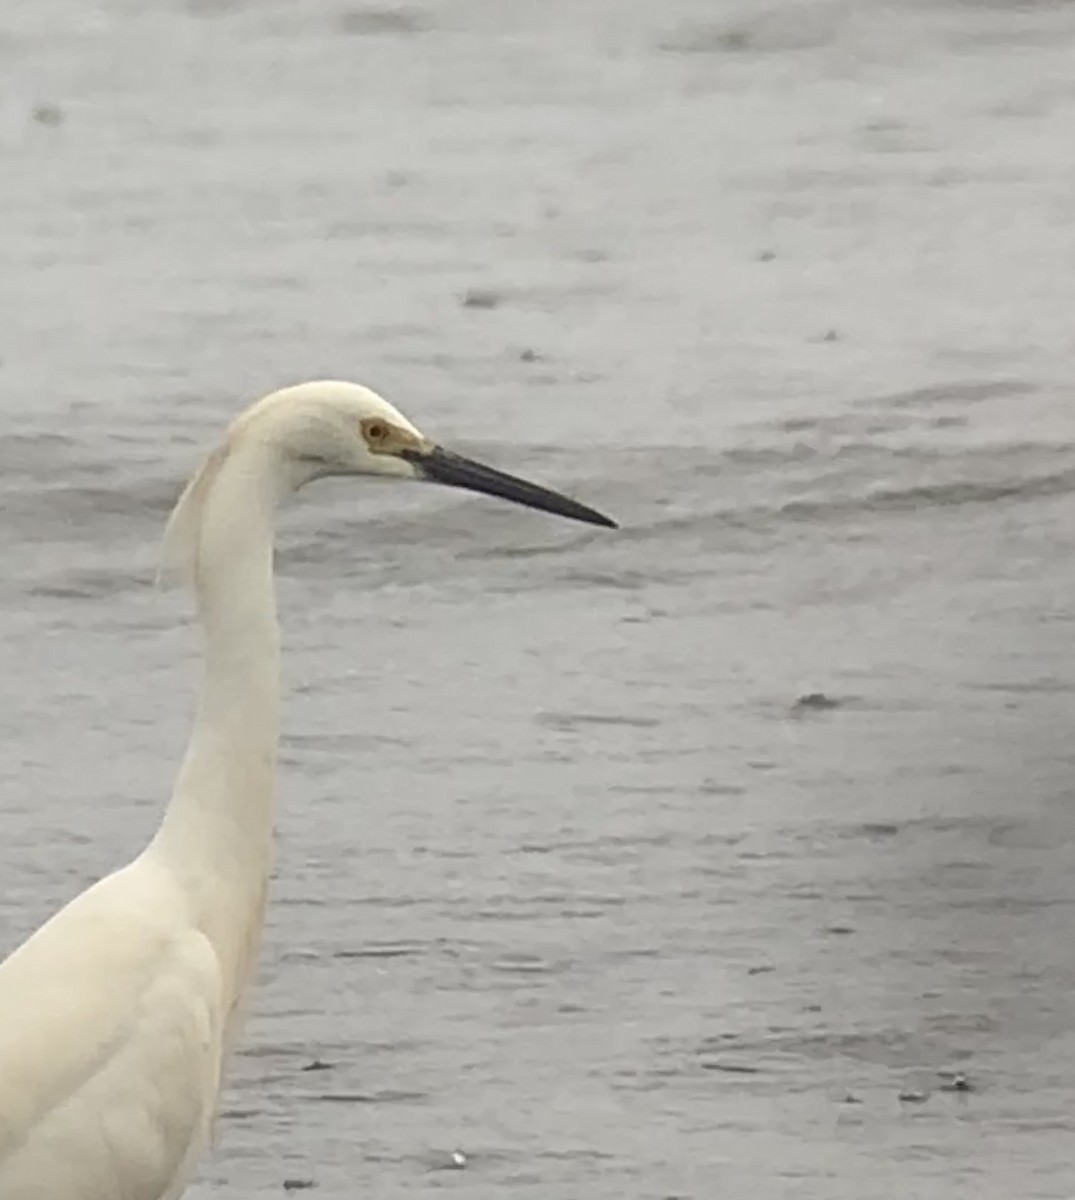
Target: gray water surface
570 879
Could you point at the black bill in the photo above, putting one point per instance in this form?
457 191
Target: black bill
442 466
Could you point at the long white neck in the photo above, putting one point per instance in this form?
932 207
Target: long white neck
216 836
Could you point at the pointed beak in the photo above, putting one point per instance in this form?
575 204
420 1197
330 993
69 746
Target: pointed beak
442 466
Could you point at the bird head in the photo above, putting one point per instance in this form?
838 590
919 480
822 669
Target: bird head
333 428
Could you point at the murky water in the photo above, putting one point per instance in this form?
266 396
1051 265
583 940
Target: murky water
571 878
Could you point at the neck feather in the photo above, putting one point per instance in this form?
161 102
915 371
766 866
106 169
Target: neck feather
216 836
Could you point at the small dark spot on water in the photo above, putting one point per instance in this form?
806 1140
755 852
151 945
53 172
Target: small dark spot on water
386 1096
840 930
212 8
707 39
82 585
877 829
591 255
48 114
298 1185
568 722
713 787
317 1065
714 1041
529 356
481 298
526 964
376 22
967 392
766 256
759 970
815 702
386 950
912 1096
731 1068
884 125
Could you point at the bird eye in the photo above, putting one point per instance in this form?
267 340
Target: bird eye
376 431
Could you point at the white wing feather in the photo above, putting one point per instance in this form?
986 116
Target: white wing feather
110 1035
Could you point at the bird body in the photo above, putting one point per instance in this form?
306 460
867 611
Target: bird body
110 1039
117 1015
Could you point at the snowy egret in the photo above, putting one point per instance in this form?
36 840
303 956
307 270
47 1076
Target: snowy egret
117 1015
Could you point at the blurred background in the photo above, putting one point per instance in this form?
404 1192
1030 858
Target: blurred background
730 851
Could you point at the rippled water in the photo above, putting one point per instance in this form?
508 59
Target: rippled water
648 865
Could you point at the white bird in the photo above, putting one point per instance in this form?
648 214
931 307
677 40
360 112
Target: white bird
117 1015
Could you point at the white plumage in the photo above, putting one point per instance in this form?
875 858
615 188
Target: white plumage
117 1015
